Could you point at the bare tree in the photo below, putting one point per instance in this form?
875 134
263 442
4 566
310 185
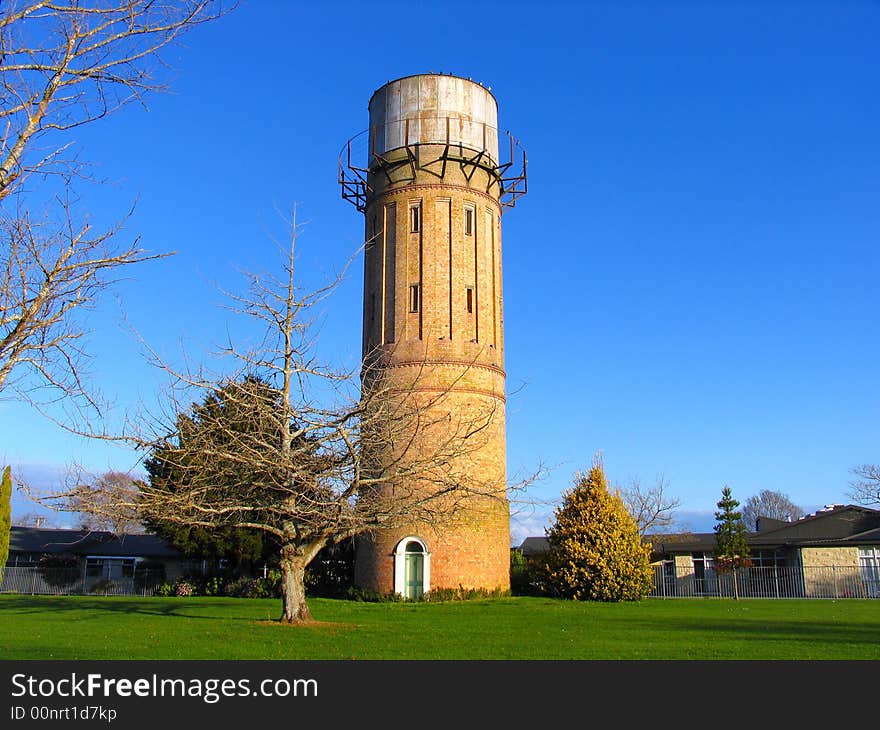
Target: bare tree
652 507
70 63
117 520
63 65
34 519
313 455
767 503
865 488
51 273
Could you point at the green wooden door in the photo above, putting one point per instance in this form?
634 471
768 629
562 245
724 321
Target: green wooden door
415 570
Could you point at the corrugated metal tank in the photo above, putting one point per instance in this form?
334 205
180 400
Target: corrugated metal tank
434 109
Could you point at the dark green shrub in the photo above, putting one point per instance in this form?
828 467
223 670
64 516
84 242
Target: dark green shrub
180 587
213 586
268 587
436 595
195 581
237 587
164 589
149 575
244 587
526 575
60 571
331 573
104 587
365 596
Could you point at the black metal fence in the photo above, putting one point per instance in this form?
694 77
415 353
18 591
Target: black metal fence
767 582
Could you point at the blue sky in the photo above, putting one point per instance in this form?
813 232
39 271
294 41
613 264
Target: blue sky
690 283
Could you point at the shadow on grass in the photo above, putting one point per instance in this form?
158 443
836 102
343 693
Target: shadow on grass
94 608
763 631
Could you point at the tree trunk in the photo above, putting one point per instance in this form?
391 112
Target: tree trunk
735 586
293 588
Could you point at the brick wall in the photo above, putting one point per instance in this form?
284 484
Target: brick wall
450 349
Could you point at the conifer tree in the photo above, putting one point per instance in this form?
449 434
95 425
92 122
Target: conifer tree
596 552
5 516
732 549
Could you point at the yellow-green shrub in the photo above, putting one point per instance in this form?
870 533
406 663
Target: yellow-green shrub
596 553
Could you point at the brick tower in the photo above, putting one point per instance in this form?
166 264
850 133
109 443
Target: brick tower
428 178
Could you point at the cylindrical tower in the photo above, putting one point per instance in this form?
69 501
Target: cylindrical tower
432 189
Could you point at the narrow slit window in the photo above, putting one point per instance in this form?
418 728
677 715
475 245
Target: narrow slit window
371 233
469 221
470 300
414 297
415 218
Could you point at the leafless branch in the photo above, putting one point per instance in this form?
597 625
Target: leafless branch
115 486
865 488
63 65
767 503
51 272
652 507
278 441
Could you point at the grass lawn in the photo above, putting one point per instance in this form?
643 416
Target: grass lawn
78 627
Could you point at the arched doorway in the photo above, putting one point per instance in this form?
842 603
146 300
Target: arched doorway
412 568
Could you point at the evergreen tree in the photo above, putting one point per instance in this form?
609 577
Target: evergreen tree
732 549
5 516
596 552
210 440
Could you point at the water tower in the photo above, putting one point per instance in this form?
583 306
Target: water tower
429 180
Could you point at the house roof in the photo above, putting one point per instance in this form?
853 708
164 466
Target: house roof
839 525
690 542
87 542
534 546
768 523
834 523
868 537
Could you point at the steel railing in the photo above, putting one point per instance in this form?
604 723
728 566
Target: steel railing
682 582
841 581
61 582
